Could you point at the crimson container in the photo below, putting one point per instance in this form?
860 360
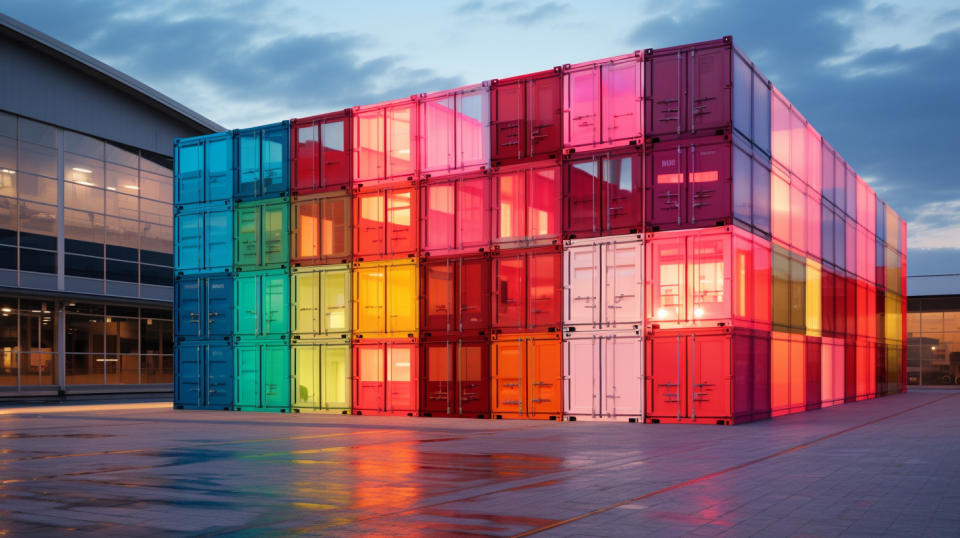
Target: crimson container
603 193
455 130
866 369
456 377
386 377
526 117
385 142
455 214
603 283
707 277
385 222
603 103
707 181
455 297
866 310
832 370
526 376
526 290
813 353
703 89
321 157
788 388
850 373
603 376
322 229
718 375
526 205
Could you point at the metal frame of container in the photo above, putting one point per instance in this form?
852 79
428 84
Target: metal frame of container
262 376
603 283
526 117
595 200
316 163
385 383
455 130
455 376
256 179
204 375
320 376
455 214
599 382
321 229
206 185
208 302
383 133
262 300
527 205
526 294
386 222
208 245
455 296
526 376
262 232
321 302
384 290
603 103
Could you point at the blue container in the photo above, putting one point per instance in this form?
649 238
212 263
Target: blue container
263 162
262 380
204 307
204 375
204 239
204 169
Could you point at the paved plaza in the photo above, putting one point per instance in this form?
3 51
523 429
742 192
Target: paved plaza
886 466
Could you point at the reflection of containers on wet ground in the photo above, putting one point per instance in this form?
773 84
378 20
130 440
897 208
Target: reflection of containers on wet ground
526 376
603 375
320 375
455 378
386 377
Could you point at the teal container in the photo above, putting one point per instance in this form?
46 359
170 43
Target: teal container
262 376
262 304
204 170
262 234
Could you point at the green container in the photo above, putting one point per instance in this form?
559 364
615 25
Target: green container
262 301
263 376
321 376
262 232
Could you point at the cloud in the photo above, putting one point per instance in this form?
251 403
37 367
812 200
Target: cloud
539 13
513 11
936 226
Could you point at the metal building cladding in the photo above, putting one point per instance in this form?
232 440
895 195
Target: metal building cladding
653 237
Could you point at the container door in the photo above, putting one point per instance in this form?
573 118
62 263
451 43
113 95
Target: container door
709 376
369 392
190 173
582 285
439 298
545 367
248 173
623 284
543 202
622 99
664 82
189 381
473 128
276 240
335 301
401 221
473 214
439 223
710 285
219 306
275 159
582 200
276 376
218 239
402 299
276 304
709 88
368 146
438 376
306 376
247 222
473 283
438 127
546 297
401 378
219 182
189 241
666 187
508 117
371 225
370 300
335 228
334 160
219 373
508 390
667 275
189 317
402 136
545 115
509 293
247 298
306 172
666 370
305 318
247 367
623 193
709 183
510 225
306 230
581 376
472 372
335 376
622 376
582 125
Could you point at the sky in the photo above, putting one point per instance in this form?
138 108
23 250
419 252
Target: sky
878 79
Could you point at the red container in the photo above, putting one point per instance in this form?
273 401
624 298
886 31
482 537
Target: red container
455 130
456 377
832 372
603 193
814 370
603 103
385 222
321 153
386 377
527 290
850 369
526 205
385 142
719 375
455 295
525 117
456 214
788 389
866 369
322 229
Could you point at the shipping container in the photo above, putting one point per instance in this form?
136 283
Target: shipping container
204 239
385 142
832 372
866 369
204 375
603 193
603 376
262 232
850 369
603 283
813 358
322 229
263 162
455 295
262 376
789 291
203 306
456 213
321 302
526 122
708 277
527 206
455 130
456 377
320 374
718 375
788 388
603 103
321 155
526 290
204 170
385 222
262 304
526 376
386 377
386 298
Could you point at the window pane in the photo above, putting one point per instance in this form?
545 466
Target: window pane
40 220
8 221
84 333
157 212
156 238
82 145
83 266
122 179
122 233
36 159
8 341
122 156
82 170
8 125
36 188
37 326
83 197
156 369
8 166
121 205
156 276
84 369
157 165
37 368
156 187
122 335
121 271
38 261
83 232
38 133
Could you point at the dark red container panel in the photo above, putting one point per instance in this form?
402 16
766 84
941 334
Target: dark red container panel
385 142
527 290
456 295
386 377
866 357
321 147
712 376
385 222
850 369
603 103
527 205
788 368
603 194
455 130
456 377
526 117
813 372
456 214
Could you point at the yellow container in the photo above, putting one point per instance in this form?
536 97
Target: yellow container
320 376
814 290
386 299
321 301
893 317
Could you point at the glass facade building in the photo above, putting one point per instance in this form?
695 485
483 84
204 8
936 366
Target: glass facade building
933 330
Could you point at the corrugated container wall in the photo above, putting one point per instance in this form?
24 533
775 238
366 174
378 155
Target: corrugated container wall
385 137
455 131
603 103
526 121
321 156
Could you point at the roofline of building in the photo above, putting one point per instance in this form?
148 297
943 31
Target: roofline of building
104 72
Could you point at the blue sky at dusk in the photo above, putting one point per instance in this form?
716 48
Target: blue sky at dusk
876 78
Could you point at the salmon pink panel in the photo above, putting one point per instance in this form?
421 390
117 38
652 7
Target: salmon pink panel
839 182
370 223
473 284
865 374
710 182
439 296
473 213
813 223
622 100
666 279
401 229
545 119
780 129
509 291
798 210
826 172
814 167
369 145
402 378
850 238
826 233
507 121
305 163
710 282
543 202
510 201
666 186
851 192
369 383
622 193
760 286
862 306
813 372
582 106
582 198
438 127
455 130
832 372
780 207
545 306
798 145
582 285
439 217
623 284
473 128
797 374
582 374
402 133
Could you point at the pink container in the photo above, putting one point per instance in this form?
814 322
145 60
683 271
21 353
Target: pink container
831 372
526 205
385 142
603 103
603 283
603 193
455 130
603 376
455 214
